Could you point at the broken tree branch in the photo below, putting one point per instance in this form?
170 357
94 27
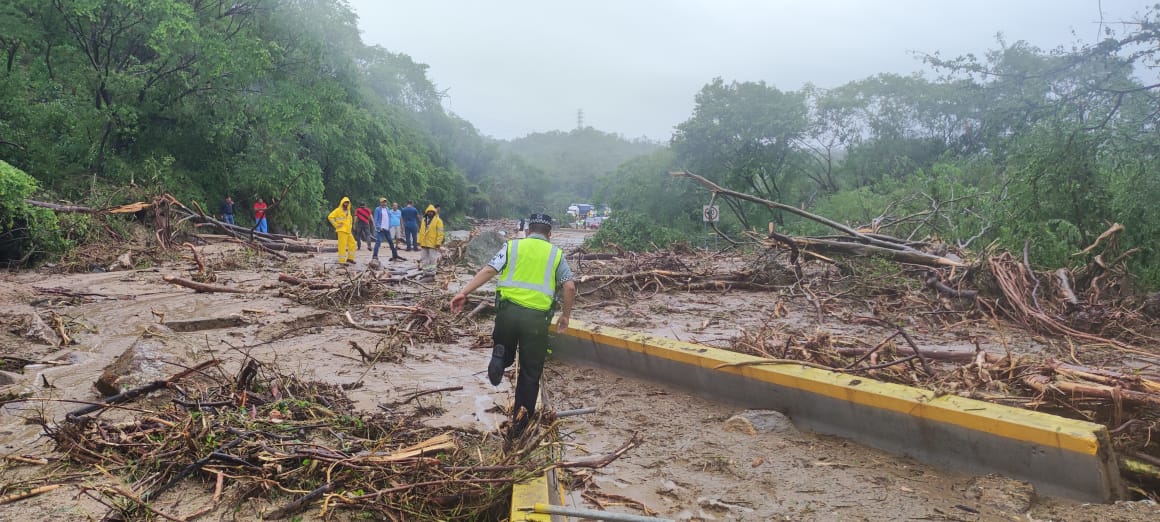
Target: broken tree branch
903 256
143 390
1116 227
202 287
313 285
7 499
717 189
1065 287
77 209
933 281
599 461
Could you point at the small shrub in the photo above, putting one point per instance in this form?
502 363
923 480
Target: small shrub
27 233
634 232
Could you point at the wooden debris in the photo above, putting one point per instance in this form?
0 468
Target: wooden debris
8 499
202 287
268 431
311 284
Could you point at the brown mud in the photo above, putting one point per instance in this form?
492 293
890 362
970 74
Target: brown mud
696 462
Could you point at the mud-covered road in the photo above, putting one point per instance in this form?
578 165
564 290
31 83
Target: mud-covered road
695 462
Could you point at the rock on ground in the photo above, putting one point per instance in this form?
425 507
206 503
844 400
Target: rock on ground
37 330
7 378
760 421
148 359
483 246
1001 493
458 235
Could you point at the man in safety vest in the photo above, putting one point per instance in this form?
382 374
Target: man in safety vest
531 272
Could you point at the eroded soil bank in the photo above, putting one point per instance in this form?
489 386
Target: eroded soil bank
696 461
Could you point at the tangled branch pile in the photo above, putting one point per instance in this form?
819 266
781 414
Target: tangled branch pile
273 435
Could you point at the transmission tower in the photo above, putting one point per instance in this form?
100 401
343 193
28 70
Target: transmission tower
579 119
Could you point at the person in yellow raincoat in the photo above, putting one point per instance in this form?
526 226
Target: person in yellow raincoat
430 238
341 220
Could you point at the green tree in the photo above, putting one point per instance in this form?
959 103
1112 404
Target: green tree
745 136
26 233
574 161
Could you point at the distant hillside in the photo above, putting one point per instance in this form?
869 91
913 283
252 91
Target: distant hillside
574 160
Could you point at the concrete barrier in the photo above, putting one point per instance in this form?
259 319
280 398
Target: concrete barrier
1060 456
545 488
529 493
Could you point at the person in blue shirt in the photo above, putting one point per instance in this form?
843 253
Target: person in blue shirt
382 219
410 216
396 222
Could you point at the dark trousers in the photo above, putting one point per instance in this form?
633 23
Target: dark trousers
385 235
411 233
362 231
526 331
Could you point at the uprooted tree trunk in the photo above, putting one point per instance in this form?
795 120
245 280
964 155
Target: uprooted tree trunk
854 242
77 209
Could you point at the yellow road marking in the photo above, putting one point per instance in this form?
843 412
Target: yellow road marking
1004 421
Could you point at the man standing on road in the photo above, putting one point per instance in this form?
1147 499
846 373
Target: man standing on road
531 273
341 220
383 231
396 224
430 239
227 210
362 227
410 216
260 216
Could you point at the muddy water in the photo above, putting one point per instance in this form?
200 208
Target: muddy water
688 467
693 465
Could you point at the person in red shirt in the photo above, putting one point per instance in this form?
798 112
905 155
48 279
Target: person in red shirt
362 226
260 216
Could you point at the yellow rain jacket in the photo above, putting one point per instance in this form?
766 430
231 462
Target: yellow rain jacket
430 236
341 218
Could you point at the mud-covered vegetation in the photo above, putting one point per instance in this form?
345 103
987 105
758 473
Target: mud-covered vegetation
1050 146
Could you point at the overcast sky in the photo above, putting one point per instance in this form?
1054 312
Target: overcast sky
513 67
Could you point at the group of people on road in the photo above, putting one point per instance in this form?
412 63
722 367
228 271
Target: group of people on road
227 214
422 233
534 281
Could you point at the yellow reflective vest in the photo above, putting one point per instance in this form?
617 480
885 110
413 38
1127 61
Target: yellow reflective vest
529 277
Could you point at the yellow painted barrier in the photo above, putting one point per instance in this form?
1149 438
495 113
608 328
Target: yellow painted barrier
527 494
1005 421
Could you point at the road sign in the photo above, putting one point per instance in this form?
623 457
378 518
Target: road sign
710 214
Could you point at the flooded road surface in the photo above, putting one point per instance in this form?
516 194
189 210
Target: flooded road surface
696 461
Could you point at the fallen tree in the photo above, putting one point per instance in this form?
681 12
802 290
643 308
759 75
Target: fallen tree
853 243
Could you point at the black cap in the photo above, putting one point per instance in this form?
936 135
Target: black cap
542 219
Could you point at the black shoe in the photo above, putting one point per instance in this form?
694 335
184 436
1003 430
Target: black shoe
397 258
518 427
495 366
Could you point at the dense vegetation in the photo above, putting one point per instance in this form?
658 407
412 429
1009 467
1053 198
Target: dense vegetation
1023 144
277 99
576 160
106 101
